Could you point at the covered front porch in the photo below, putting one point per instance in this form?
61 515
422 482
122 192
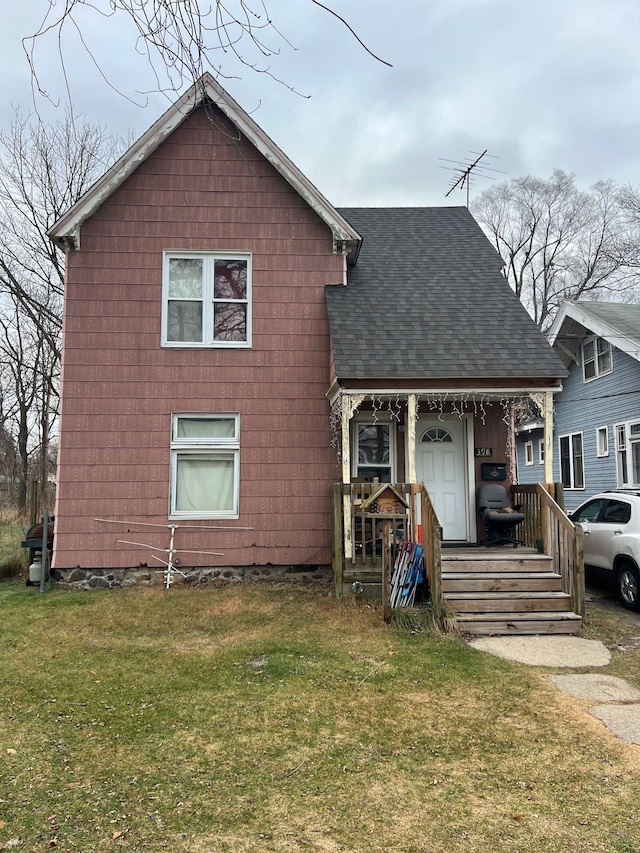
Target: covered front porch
435 448
537 588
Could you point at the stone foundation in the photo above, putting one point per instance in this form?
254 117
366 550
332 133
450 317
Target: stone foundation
144 576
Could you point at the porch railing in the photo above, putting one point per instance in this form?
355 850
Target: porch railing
547 528
361 543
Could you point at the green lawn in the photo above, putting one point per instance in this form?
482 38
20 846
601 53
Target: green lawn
272 718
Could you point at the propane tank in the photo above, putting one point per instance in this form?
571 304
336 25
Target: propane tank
35 570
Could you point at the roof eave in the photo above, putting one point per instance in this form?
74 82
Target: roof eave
66 231
573 311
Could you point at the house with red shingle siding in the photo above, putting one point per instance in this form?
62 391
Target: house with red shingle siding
233 345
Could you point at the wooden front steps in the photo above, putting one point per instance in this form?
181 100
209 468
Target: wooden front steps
506 591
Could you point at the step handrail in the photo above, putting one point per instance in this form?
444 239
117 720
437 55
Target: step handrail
562 541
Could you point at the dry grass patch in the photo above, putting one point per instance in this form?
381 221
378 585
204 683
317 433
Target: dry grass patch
260 718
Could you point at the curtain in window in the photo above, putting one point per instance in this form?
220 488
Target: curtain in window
205 483
206 428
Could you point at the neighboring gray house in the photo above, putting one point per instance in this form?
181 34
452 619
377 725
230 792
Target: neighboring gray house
597 414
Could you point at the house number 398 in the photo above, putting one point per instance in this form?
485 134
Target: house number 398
483 451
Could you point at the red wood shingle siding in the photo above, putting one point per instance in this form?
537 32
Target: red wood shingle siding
202 189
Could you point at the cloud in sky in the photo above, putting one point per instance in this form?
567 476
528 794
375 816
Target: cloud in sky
555 84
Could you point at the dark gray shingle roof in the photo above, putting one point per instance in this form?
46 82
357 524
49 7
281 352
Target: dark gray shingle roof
426 299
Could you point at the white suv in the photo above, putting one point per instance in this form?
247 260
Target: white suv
611 525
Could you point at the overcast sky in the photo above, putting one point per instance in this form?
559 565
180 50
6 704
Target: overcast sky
541 85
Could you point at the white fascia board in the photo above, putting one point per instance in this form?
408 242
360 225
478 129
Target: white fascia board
494 393
593 326
66 231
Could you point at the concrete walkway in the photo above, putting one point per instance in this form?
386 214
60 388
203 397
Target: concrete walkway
615 702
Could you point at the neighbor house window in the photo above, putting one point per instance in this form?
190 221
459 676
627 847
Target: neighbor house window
628 453
206 300
205 462
602 441
596 358
571 461
373 451
541 451
528 453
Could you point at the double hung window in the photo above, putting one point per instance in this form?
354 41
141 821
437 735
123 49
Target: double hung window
373 452
596 358
528 453
206 300
628 453
205 461
602 441
571 461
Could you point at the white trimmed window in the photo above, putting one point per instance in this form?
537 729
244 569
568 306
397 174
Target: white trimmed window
541 451
571 461
205 465
528 453
628 453
602 441
596 358
374 451
206 299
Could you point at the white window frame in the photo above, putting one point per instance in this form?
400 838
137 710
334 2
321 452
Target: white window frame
601 348
380 420
528 453
627 438
602 441
541 451
208 302
571 436
182 447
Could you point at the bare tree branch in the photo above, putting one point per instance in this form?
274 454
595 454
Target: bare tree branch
179 38
560 243
43 172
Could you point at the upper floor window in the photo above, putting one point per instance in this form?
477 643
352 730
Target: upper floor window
206 299
596 358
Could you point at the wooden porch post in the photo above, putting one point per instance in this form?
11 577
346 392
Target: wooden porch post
547 415
350 403
544 402
412 417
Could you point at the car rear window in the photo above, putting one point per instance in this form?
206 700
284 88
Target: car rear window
616 512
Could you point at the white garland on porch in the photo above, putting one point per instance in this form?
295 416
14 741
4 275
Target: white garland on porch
447 403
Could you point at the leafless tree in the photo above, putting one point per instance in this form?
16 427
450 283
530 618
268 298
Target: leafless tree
180 39
559 242
43 171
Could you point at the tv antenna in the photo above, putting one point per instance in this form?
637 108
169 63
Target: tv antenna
464 169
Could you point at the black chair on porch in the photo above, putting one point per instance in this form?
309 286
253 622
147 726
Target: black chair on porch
498 516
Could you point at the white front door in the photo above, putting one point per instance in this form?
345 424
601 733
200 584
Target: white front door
441 462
